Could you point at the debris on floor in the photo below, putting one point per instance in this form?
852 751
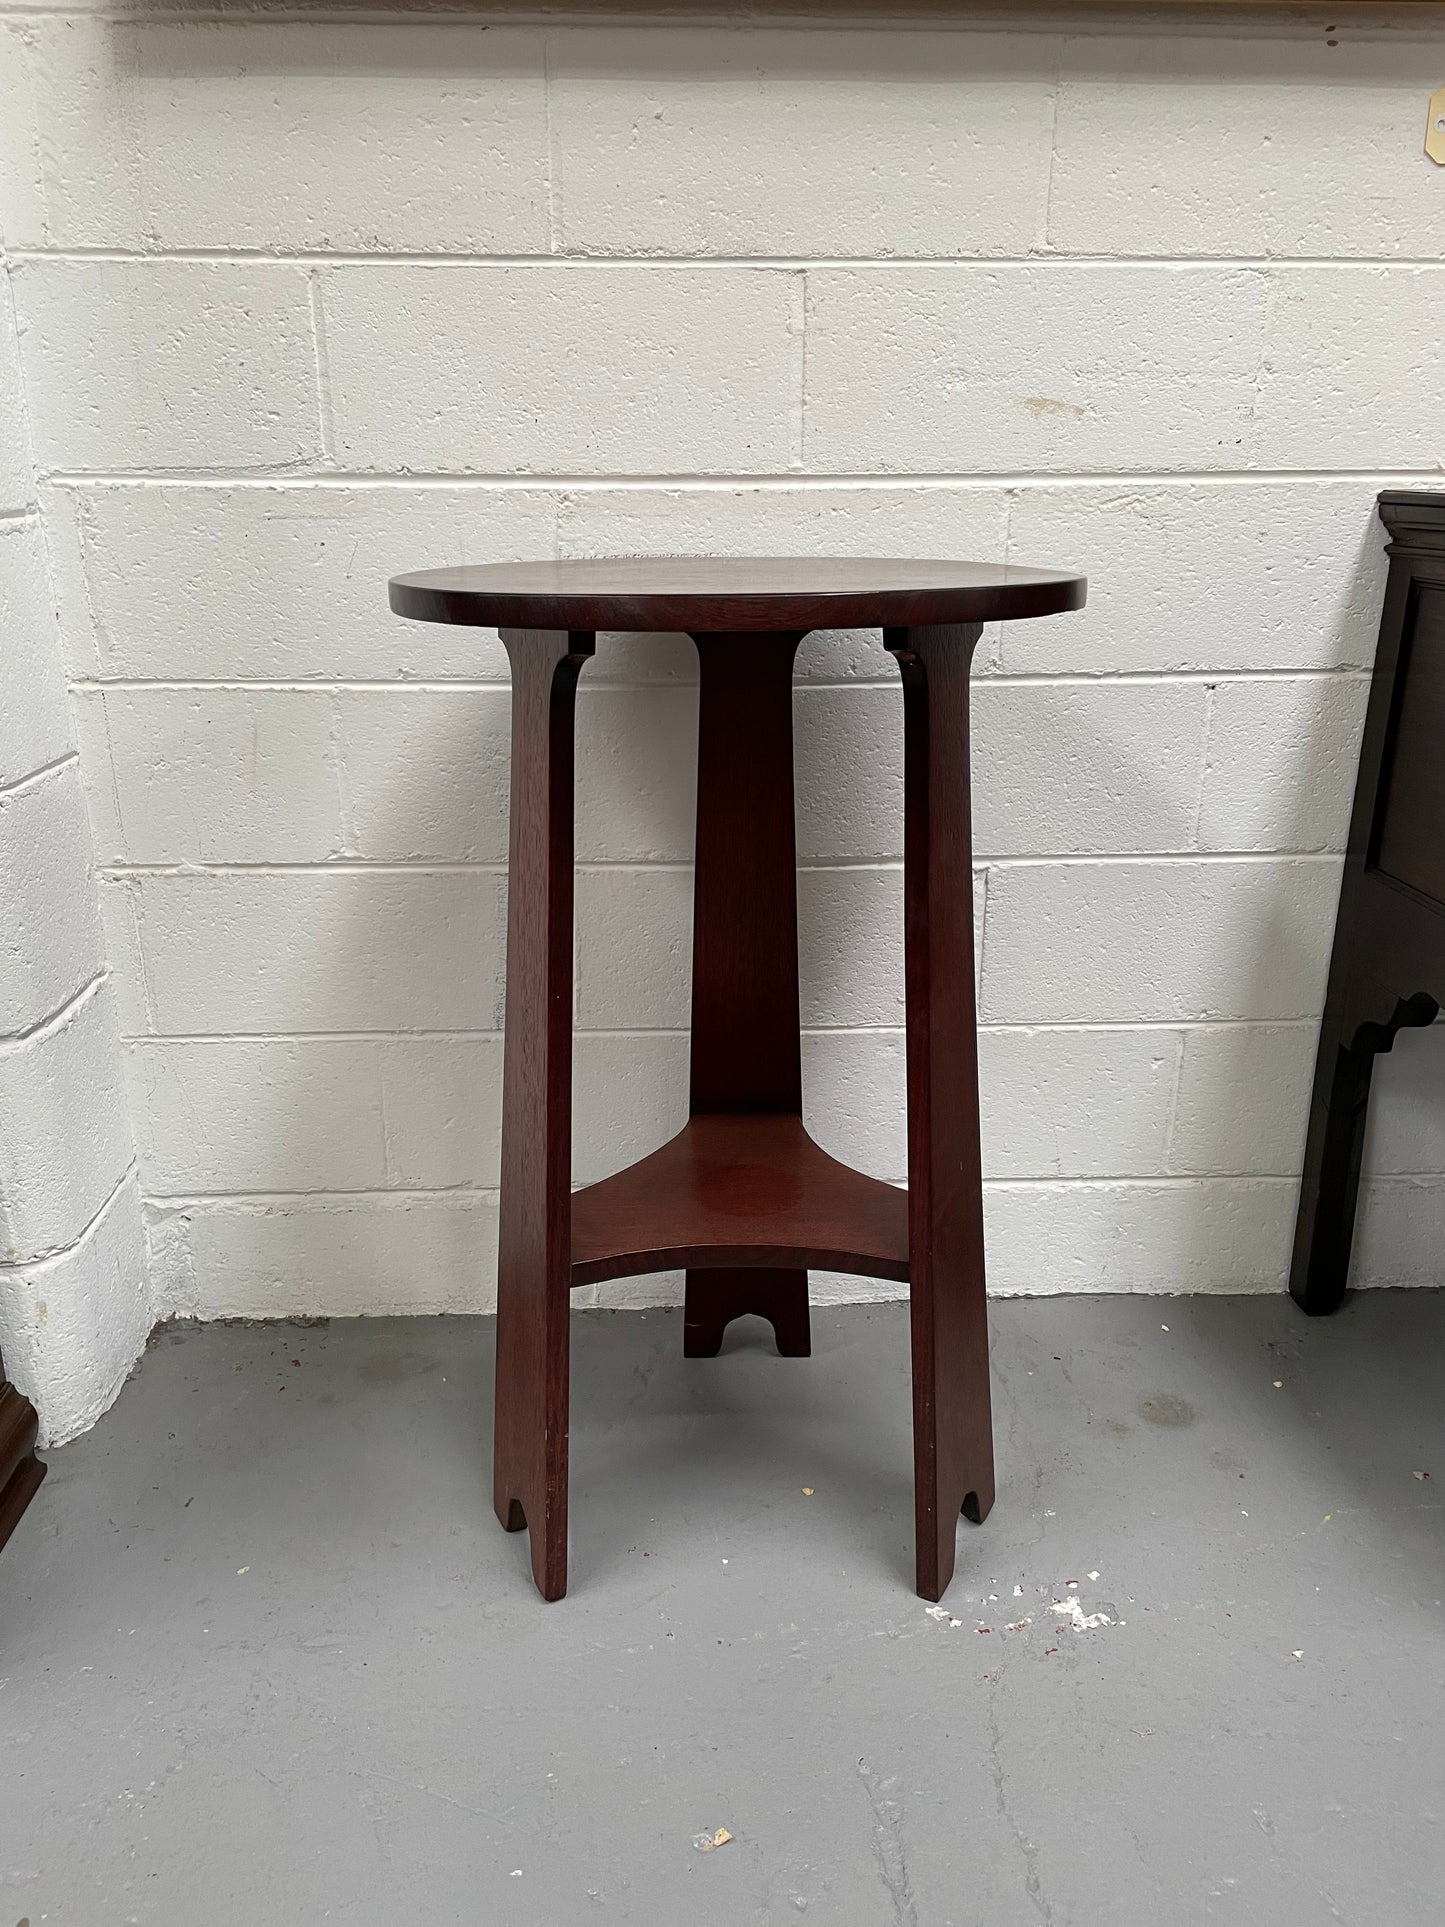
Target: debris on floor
1081 1621
709 1842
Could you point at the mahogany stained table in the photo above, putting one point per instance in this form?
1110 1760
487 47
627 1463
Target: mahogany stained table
742 1199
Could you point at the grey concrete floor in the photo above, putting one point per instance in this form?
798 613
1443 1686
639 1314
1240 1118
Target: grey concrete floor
266 1657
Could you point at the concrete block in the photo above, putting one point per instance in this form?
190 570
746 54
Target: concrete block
903 143
34 714
850 944
1400 1232
850 947
855 1099
636 775
972 370
1205 1235
17 479
848 772
278 583
120 944
1076 1103
634 948
325 1257
1200 575
1139 941
425 775
49 936
1244 1094
167 364
210 775
1055 1103
236 1114
629 1095
684 370
64 1136
73 1325
1349 351
1078 770
324 139
22 199
1282 762
1242 145
442 1098
316 951
1405 1134
1071 366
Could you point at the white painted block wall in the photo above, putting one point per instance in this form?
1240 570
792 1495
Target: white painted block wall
308 301
75 1304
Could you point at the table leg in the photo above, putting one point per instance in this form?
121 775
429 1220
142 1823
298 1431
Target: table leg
534 1247
745 1050
1349 1043
952 1428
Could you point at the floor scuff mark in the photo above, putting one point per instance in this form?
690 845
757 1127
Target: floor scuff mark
888 1848
1028 1852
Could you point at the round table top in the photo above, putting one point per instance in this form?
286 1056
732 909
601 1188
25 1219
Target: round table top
734 593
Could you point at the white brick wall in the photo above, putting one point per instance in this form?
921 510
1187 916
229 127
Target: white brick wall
1156 298
75 1303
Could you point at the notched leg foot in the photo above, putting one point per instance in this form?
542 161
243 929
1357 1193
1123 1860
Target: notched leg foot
935 1568
716 1298
938 1539
549 1560
548 1547
978 1503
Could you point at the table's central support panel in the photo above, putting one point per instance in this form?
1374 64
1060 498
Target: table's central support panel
746 1056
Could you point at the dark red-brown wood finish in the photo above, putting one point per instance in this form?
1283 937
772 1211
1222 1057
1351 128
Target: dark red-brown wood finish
729 594
20 1470
534 1247
952 1428
742 1199
745 948
1387 967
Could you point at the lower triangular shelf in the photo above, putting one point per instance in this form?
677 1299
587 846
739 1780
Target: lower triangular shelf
739 1190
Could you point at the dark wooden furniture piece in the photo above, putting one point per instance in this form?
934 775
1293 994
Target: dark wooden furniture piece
742 1199
20 1470
1388 961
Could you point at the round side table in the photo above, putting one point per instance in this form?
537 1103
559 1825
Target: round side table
742 1199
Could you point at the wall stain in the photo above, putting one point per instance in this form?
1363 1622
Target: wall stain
1041 405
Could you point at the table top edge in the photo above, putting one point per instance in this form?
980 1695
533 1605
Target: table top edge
489 594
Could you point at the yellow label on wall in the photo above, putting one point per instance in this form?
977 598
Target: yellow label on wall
1435 127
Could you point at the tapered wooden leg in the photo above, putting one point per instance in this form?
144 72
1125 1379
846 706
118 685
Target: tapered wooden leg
534 1249
952 1428
1329 1188
745 1049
